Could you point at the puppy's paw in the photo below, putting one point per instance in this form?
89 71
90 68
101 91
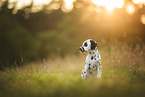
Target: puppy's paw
99 75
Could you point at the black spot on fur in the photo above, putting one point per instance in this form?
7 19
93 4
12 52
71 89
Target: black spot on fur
91 57
89 64
90 72
93 44
85 44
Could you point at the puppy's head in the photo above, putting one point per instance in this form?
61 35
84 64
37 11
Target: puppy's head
88 45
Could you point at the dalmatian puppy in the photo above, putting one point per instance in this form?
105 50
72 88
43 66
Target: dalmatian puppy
93 59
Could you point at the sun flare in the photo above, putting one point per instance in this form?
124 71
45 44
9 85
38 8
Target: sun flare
143 19
138 1
109 4
68 5
130 9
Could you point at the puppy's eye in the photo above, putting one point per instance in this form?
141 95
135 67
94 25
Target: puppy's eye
85 44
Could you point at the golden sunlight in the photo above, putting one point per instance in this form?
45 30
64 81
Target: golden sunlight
143 19
68 5
139 1
109 4
130 9
21 3
38 4
41 2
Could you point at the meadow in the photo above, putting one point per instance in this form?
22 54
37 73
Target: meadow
123 75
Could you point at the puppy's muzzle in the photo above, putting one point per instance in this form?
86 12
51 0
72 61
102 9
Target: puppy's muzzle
81 49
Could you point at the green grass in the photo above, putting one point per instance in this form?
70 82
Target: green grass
123 75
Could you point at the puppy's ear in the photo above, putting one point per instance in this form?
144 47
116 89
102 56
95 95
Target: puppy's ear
93 44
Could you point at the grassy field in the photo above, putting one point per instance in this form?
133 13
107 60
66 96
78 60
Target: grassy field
123 75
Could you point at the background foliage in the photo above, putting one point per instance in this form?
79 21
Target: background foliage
27 36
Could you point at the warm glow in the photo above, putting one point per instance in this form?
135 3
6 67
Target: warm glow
130 9
109 4
138 1
54 6
20 3
41 2
68 5
143 19
38 4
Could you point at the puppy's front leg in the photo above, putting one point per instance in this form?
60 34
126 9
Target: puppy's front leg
85 72
99 71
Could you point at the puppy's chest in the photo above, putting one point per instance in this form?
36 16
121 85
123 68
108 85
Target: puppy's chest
92 58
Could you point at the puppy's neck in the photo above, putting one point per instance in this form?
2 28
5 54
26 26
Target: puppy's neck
92 52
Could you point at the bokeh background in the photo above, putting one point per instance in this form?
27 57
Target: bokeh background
33 30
